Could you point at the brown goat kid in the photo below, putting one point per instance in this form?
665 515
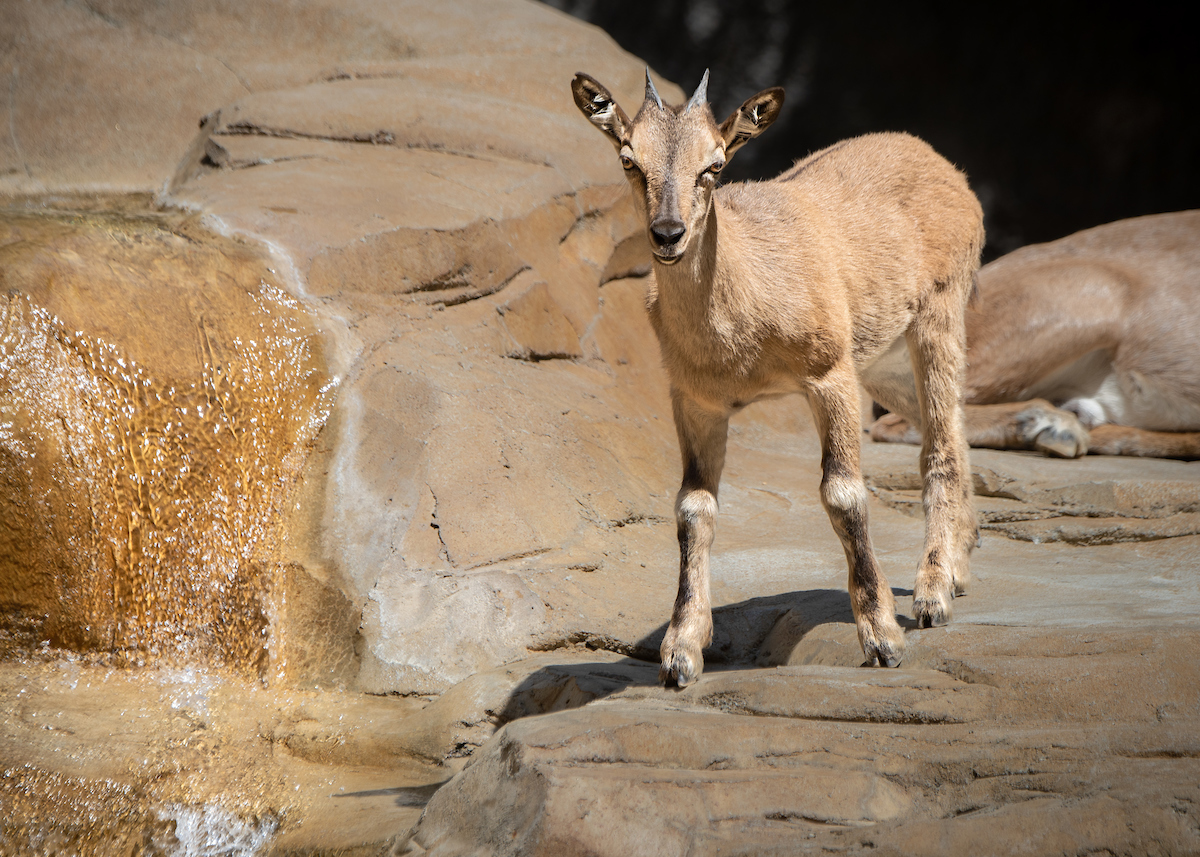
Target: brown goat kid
799 285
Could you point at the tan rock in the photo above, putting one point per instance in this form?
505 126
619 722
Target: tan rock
989 750
481 531
538 328
447 226
1032 498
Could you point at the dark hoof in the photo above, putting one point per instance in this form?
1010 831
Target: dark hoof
884 656
679 670
931 613
892 661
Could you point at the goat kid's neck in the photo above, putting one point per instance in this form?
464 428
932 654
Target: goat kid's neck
691 281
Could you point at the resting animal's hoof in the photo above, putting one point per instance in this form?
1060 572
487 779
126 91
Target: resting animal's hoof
1061 444
893 428
1053 431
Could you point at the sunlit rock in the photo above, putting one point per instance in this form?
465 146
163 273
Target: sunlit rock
327 391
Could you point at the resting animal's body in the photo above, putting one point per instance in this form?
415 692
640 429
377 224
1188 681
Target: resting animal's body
1097 331
800 284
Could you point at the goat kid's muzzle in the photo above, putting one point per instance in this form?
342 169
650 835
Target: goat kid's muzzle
666 240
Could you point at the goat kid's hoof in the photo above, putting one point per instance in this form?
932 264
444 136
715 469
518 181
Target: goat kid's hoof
679 668
883 646
932 611
881 658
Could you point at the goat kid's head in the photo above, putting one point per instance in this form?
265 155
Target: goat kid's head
672 155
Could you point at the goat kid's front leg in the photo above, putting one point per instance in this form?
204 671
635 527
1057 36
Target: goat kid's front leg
835 406
702 436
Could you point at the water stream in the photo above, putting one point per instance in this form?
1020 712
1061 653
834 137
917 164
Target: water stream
160 394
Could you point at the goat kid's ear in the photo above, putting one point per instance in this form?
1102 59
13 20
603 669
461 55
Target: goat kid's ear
754 116
601 109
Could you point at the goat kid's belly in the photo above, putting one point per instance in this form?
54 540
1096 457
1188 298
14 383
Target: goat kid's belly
726 392
730 386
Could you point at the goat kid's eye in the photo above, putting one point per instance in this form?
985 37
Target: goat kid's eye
712 172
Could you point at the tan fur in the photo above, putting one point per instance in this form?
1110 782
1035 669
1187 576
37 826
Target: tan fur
1100 331
798 285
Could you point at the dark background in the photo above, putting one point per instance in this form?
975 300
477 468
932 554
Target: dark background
1062 120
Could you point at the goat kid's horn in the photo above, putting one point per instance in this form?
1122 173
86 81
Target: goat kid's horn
700 96
651 92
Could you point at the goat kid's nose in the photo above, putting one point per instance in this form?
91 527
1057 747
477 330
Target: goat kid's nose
667 232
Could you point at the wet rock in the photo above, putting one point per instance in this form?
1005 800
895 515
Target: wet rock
158 393
103 761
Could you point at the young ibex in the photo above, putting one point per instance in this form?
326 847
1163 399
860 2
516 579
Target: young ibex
800 284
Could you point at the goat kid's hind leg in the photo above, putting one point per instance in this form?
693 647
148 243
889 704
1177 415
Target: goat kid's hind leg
936 341
702 436
835 406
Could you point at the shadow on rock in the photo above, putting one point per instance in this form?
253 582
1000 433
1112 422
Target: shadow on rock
815 626
558 687
416 796
810 627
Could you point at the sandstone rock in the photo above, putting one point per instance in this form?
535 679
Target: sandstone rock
1033 498
469 522
448 228
991 746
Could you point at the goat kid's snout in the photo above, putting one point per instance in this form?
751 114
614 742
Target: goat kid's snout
667 232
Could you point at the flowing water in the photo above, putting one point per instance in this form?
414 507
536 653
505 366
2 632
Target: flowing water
160 394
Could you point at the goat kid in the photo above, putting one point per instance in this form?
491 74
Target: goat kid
799 285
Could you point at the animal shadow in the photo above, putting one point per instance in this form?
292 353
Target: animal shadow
813 626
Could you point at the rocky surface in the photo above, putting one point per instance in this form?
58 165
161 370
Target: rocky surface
1056 715
379 241
426 194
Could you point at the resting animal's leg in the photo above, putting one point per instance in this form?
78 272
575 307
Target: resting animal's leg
1125 440
1033 424
834 402
702 436
936 341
